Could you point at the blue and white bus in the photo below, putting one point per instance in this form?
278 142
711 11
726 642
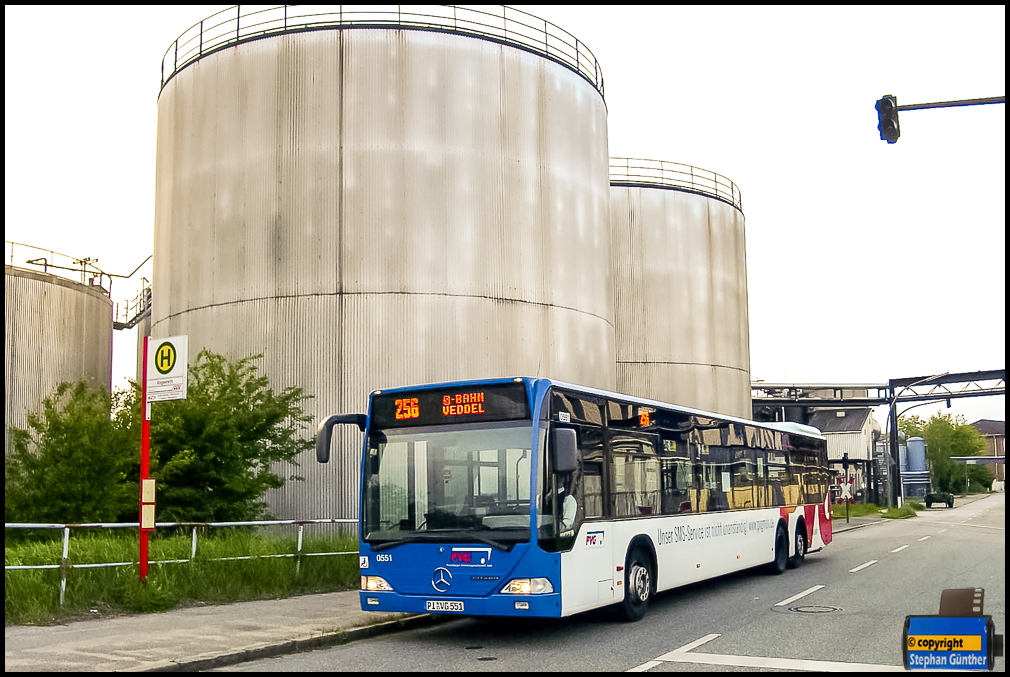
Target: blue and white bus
532 497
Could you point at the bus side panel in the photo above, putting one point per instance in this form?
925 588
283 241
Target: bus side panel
692 548
587 574
819 524
688 549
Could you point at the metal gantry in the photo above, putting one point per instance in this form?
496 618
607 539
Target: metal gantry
772 400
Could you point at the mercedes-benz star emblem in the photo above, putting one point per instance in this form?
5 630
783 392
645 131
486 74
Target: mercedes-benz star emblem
441 579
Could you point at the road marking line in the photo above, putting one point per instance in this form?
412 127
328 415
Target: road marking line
899 549
802 594
693 645
776 663
863 566
645 667
924 538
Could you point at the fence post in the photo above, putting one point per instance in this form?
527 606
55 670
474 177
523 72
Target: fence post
64 565
298 552
192 548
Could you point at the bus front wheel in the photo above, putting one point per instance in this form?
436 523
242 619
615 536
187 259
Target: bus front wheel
637 585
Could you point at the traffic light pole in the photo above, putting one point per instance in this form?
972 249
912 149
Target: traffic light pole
953 104
888 109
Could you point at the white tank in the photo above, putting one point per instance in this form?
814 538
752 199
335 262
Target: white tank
56 329
381 206
681 286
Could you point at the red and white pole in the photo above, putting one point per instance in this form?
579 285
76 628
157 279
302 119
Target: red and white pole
145 453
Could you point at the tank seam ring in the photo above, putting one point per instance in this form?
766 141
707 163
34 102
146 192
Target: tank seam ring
386 293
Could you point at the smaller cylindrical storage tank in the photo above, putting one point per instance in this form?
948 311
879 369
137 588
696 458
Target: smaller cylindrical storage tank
916 454
680 274
55 330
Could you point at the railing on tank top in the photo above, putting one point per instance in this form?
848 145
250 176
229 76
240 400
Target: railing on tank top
659 173
500 24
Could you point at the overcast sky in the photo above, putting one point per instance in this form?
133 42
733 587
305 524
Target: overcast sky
865 261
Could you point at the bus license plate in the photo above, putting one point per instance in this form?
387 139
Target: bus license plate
442 605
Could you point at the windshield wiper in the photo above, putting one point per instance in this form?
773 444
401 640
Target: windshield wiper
440 536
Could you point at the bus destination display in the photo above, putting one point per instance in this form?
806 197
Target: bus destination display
439 406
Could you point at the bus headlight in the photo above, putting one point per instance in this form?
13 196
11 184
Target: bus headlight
528 586
374 584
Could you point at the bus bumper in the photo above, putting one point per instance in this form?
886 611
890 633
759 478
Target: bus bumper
541 606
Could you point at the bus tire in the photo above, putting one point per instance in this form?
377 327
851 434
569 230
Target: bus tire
801 546
637 585
781 561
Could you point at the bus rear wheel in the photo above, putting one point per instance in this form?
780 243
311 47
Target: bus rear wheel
801 547
637 586
781 561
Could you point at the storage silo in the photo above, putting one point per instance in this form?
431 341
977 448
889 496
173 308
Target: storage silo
680 274
55 329
917 455
383 199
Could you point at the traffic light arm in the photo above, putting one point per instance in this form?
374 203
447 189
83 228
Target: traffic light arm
952 104
888 108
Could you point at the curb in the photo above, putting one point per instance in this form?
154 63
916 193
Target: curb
327 640
850 527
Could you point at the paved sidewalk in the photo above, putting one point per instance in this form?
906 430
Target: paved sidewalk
839 525
198 638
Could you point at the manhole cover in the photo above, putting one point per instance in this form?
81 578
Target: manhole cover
814 609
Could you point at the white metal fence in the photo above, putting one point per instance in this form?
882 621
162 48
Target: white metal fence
65 564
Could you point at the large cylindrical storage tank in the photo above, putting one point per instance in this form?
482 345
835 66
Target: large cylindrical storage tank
681 286
55 330
382 206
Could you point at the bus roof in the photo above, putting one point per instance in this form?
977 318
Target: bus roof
788 426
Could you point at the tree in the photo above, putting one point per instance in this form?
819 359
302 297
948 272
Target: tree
214 453
77 461
911 425
947 436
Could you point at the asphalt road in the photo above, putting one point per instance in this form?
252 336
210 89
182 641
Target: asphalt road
843 610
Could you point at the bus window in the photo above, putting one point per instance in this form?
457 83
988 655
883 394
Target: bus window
634 475
742 494
591 451
575 409
715 472
676 476
585 485
778 477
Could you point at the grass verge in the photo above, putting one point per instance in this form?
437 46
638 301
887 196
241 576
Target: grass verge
31 597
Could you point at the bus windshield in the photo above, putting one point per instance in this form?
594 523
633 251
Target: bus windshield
459 483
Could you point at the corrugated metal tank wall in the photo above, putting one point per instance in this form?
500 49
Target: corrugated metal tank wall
55 330
371 208
681 298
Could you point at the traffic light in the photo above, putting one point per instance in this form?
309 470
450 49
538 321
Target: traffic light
845 461
887 118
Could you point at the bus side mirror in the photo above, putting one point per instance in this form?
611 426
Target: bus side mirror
564 449
324 434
